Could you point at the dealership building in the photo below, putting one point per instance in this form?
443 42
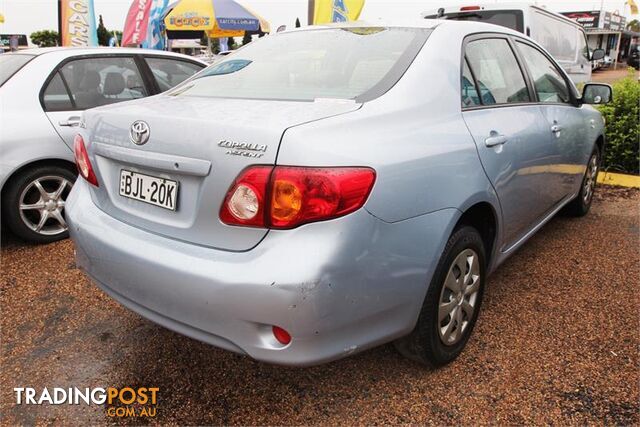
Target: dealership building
606 30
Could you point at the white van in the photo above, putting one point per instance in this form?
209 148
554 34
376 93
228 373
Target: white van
563 38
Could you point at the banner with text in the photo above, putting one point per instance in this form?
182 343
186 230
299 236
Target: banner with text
136 25
77 23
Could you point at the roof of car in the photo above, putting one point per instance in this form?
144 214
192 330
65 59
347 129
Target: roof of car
78 51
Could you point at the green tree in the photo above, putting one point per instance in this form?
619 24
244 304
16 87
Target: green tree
634 25
45 38
297 22
103 33
215 45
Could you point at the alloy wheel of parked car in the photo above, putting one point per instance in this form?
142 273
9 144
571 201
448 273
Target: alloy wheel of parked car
42 204
35 202
459 296
452 303
582 203
590 179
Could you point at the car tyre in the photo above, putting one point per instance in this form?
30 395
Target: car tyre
446 322
33 203
582 203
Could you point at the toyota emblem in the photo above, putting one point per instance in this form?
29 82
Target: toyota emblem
139 132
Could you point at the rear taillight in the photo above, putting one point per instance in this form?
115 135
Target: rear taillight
287 197
245 201
82 161
302 195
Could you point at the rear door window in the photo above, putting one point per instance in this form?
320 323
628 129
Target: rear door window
497 73
56 97
105 80
170 72
470 96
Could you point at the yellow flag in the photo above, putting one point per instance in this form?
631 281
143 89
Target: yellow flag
326 11
1 18
633 6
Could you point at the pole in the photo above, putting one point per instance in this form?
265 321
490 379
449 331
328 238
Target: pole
615 58
59 22
312 6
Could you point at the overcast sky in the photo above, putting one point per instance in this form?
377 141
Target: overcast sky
26 16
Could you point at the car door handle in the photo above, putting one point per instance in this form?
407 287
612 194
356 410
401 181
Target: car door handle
71 122
495 139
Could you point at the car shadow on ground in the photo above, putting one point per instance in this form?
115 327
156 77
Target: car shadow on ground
8 240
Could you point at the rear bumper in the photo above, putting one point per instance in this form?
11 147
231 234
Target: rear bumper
337 287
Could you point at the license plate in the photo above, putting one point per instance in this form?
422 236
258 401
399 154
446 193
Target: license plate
149 189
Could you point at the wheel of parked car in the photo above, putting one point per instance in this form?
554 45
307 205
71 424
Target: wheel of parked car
453 300
33 203
582 203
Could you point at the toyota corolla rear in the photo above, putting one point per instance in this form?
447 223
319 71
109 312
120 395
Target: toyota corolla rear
186 216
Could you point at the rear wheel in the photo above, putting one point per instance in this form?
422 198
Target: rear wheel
582 203
451 307
34 201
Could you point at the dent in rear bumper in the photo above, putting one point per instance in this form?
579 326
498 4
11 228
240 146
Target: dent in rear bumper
338 286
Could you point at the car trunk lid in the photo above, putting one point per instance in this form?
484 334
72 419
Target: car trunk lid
200 143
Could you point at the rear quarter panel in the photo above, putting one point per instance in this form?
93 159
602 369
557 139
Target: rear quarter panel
413 136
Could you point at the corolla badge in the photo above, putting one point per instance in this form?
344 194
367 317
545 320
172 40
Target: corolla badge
244 149
139 132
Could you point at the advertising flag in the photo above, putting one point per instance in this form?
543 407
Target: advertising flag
135 26
633 6
327 11
155 29
78 23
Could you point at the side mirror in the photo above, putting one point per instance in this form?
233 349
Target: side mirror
596 94
597 55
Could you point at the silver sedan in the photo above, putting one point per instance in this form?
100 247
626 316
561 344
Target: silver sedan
325 190
42 95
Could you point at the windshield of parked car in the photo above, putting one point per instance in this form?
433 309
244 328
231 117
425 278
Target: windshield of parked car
10 63
344 63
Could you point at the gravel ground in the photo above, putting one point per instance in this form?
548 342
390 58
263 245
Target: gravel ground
557 342
610 75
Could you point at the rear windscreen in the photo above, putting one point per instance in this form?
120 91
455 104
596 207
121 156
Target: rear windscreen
345 63
10 63
513 19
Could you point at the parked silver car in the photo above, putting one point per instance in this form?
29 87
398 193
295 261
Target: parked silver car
330 189
42 94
